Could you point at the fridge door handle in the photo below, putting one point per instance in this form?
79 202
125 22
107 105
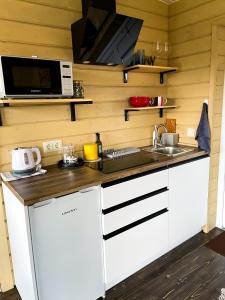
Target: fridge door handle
87 190
43 203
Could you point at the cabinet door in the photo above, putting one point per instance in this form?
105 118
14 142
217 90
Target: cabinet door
67 245
133 249
188 198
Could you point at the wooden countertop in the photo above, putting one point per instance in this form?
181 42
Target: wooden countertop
57 182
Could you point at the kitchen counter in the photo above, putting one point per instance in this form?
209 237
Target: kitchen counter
57 182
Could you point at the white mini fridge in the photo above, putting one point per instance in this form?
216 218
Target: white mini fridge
67 246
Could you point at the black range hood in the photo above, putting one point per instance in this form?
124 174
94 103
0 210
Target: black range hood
102 36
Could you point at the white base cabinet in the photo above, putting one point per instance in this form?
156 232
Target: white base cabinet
188 200
135 224
125 203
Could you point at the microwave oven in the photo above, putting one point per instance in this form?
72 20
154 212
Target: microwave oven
22 77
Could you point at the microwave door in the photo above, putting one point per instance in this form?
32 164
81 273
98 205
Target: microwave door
31 77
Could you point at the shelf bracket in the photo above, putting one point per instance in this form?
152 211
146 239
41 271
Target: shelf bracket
73 109
125 76
2 105
126 113
161 112
162 75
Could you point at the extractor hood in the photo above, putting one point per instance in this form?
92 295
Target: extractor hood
102 36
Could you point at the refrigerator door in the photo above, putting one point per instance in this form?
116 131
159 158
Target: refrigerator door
67 246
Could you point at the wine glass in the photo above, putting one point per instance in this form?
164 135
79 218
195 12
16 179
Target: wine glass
161 50
158 50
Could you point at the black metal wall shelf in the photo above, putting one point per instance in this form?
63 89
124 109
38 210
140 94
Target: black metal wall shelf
31 102
148 69
161 109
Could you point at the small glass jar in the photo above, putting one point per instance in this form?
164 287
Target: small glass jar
81 88
69 156
78 89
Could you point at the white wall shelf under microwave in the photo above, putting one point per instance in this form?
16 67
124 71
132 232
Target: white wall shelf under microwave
30 102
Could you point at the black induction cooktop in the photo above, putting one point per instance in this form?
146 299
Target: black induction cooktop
121 163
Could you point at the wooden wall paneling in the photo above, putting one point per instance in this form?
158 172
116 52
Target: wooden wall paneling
194 31
34 13
214 160
150 19
188 91
215 147
218 106
188 48
66 4
13 31
221 62
156 7
219 77
217 122
113 78
216 93
184 118
200 75
42 51
208 10
188 105
50 130
6 276
192 62
101 92
152 35
199 47
185 5
221 48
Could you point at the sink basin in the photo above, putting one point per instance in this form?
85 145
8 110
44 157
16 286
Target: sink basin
169 151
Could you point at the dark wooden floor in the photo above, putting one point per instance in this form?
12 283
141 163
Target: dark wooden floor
191 271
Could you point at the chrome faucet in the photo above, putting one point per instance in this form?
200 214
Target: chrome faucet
157 140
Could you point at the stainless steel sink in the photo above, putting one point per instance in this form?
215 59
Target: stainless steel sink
169 151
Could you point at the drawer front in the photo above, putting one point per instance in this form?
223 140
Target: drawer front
133 249
121 217
130 189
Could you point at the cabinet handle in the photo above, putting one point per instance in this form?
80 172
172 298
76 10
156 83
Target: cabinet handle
135 200
134 224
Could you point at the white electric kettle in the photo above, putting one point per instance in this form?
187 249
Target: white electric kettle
23 160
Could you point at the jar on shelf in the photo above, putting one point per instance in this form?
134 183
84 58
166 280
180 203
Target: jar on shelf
78 89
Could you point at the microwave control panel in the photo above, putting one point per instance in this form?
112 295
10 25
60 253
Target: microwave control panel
67 78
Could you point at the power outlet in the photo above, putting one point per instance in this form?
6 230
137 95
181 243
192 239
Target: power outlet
191 132
52 146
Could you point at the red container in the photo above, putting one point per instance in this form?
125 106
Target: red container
139 101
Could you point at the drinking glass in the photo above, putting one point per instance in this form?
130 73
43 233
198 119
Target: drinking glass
68 154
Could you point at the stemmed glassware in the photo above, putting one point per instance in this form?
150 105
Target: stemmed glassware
161 50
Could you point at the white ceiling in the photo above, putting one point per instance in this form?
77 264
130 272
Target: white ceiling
168 1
